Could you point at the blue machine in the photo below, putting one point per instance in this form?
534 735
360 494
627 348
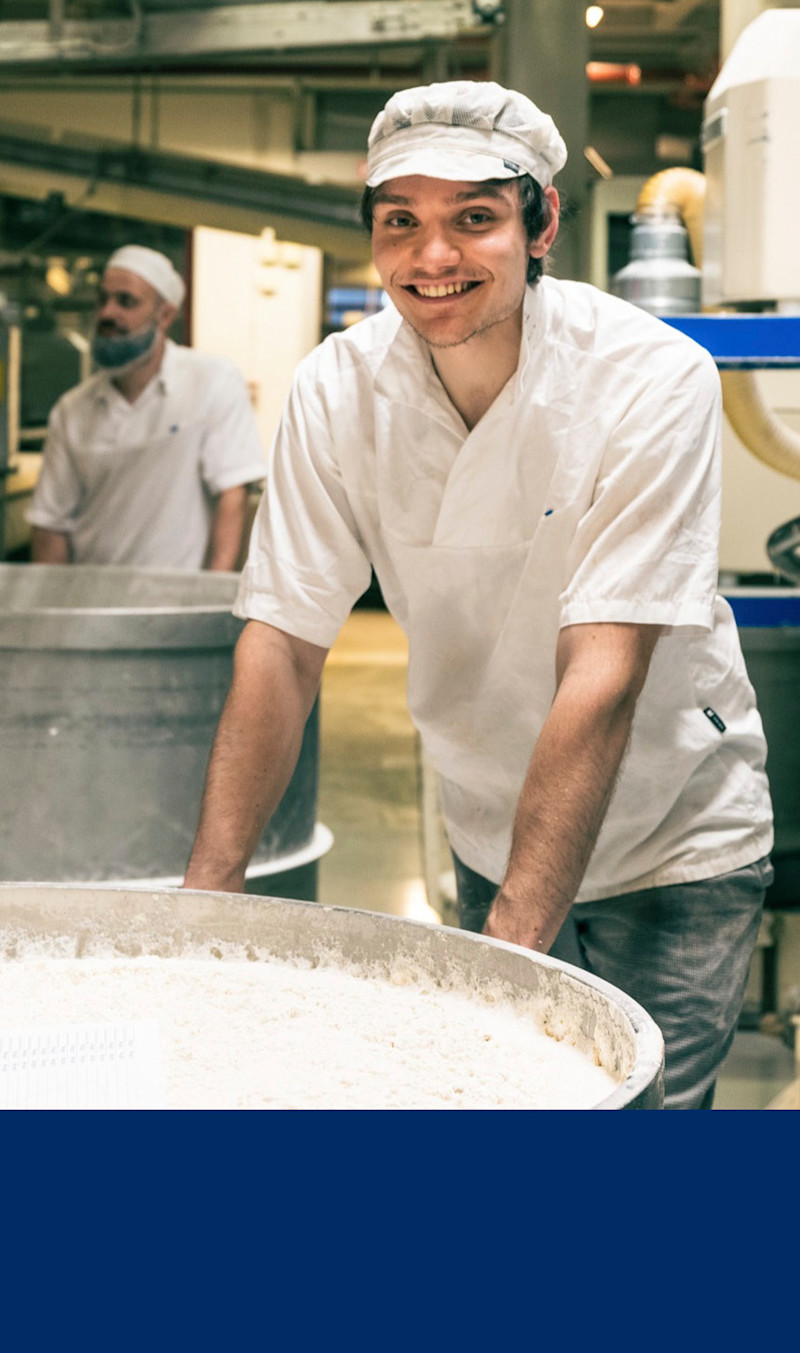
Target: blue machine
744 342
768 618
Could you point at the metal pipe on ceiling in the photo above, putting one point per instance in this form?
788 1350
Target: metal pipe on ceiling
185 35
179 175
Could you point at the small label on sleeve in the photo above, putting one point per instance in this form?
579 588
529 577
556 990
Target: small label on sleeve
714 717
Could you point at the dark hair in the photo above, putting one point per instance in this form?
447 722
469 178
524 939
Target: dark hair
537 213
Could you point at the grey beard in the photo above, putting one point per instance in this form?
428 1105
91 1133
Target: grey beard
115 351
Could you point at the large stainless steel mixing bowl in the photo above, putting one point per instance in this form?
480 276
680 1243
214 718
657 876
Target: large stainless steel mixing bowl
600 1019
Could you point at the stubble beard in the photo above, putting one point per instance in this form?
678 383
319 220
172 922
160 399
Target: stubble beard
490 323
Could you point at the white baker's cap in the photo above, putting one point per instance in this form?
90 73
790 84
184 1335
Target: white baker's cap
154 267
466 130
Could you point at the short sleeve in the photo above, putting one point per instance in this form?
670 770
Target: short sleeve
232 451
646 550
57 496
307 565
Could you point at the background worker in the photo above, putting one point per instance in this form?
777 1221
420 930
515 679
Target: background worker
533 469
146 463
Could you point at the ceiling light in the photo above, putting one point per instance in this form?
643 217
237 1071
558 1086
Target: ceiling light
58 279
594 14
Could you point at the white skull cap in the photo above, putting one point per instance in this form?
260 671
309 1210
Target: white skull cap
466 130
155 268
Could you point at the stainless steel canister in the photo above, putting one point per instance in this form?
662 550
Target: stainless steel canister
113 681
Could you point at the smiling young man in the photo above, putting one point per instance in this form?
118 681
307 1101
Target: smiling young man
532 469
453 258
146 463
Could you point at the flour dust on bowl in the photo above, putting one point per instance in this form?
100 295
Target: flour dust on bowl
198 1000
113 683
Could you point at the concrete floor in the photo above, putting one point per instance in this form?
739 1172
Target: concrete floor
371 794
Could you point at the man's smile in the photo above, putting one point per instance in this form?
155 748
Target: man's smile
434 290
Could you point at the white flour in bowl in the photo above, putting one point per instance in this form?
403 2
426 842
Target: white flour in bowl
282 1035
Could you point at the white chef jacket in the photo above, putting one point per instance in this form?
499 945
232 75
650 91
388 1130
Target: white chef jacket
588 492
134 484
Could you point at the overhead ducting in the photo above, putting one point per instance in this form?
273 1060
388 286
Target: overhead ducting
150 37
182 175
142 170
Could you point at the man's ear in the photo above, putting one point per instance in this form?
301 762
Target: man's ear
166 316
539 247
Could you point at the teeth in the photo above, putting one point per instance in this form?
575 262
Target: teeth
449 289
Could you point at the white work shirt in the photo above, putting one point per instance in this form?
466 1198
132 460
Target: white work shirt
134 484
588 492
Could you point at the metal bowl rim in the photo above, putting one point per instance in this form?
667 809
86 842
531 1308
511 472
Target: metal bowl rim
648 1039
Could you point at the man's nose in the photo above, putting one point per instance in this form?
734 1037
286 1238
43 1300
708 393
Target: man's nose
107 309
437 247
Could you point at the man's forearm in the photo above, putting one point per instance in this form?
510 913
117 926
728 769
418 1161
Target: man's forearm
568 788
227 529
560 811
254 754
49 547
